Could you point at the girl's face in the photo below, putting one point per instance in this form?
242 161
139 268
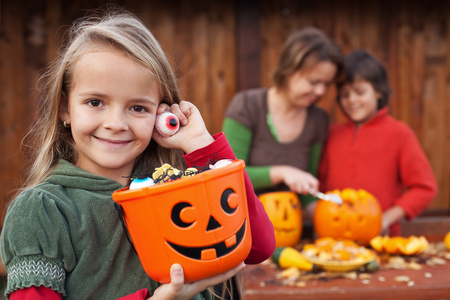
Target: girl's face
359 100
305 87
111 112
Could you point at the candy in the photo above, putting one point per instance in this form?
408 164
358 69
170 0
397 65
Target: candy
167 124
139 183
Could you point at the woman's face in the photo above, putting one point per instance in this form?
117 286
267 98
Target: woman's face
111 111
359 100
305 87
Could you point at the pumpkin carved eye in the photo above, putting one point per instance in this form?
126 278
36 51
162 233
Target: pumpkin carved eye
229 201
180 215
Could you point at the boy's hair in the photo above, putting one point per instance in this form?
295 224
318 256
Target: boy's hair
304 49
124 32
361 65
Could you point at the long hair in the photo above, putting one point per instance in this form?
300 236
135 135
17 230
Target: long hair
303 49
123 31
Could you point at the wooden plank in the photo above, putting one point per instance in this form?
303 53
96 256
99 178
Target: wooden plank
434 227
223 62
12 92
203 38
248 45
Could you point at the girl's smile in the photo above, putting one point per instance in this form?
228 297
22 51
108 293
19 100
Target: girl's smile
111 110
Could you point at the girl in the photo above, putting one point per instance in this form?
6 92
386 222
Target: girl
279 131
373 151
62 237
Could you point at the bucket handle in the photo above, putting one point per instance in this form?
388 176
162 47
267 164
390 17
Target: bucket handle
124 225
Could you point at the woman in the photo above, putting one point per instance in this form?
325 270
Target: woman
279 131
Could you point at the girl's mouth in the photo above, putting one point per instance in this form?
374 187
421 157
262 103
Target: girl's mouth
113 143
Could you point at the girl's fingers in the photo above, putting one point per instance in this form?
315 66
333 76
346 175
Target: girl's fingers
162 108
181 112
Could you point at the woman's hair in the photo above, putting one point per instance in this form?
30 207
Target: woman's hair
114 28
304 49
361 65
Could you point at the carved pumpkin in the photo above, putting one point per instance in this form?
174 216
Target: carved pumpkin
357 219
284 211
200 222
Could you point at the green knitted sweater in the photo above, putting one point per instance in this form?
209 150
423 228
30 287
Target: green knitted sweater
65 234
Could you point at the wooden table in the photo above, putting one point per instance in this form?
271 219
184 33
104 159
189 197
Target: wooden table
259 282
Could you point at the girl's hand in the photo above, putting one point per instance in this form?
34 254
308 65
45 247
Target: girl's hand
178 290
192 135
297 180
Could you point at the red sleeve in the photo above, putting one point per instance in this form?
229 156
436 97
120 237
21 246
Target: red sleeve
45 293
417 176
263 237
139 295
35 293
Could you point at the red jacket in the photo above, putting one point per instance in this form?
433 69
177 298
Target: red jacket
382 156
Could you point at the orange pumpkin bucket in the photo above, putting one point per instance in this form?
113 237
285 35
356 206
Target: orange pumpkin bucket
284 211
200 222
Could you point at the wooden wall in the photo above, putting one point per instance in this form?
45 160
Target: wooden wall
220 47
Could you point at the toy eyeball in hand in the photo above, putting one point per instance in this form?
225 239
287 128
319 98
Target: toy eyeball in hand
139 183
167 124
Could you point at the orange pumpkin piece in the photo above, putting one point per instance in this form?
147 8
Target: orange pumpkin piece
392 245
447 240
399 245
378 242
343 255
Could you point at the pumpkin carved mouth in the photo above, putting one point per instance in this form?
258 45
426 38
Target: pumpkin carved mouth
213 251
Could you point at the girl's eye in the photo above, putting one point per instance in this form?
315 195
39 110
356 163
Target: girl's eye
138 108
94 103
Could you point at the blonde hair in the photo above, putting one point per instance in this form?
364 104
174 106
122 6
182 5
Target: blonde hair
114 28
304 48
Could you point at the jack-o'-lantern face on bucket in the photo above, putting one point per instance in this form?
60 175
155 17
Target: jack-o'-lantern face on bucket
284 211
200 222
207 223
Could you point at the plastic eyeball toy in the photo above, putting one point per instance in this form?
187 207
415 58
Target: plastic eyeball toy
139 183
167 124
221 163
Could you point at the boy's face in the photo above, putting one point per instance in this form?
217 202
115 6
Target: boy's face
359 100
111 111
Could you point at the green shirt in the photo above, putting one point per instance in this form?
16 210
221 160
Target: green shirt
65 234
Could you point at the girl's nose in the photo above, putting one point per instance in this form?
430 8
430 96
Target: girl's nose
116 120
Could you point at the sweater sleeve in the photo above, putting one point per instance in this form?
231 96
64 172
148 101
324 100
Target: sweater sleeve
417 177
240 139
35 236
263 238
